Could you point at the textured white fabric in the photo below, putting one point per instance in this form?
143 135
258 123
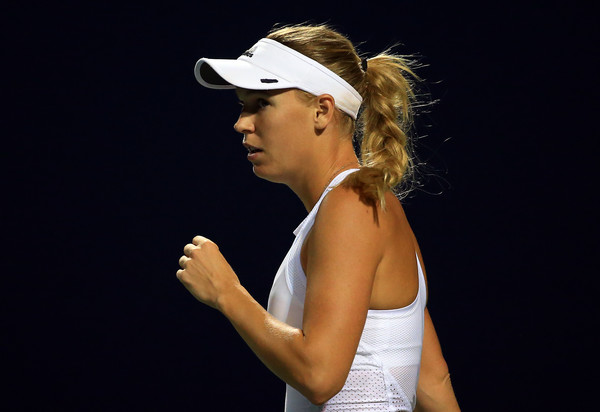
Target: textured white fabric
270 65
385 370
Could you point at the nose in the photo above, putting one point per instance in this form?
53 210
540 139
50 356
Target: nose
244 124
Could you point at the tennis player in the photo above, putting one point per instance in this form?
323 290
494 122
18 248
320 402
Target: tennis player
347 327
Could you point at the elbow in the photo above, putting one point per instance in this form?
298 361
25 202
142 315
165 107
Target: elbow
320 387
437 394
433 384
320 395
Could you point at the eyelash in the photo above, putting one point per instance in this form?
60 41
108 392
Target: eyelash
259 103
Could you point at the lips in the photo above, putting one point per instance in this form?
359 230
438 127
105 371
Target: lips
252 149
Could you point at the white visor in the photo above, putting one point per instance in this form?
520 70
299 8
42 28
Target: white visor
270 65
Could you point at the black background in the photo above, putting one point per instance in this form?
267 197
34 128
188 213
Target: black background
115 158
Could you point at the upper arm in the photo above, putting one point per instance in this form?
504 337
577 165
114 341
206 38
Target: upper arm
433 364
342 254
434 391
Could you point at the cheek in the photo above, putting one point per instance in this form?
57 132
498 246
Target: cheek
299 124
288 131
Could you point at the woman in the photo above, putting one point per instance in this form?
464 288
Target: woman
346 326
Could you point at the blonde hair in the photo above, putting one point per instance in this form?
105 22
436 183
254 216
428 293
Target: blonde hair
387 112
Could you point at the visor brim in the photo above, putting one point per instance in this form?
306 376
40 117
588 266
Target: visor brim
229 74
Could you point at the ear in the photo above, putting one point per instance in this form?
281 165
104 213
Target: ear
325 110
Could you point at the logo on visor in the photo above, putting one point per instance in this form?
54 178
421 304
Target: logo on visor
249 52
269 80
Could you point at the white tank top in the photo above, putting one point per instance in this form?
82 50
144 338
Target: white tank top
385 370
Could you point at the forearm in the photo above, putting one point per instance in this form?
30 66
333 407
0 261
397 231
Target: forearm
282 348
436 396
311 359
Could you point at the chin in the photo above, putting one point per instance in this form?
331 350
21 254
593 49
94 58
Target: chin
267 175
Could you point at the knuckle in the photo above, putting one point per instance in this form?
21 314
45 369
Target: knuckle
209 244
202 241
188 248
182 261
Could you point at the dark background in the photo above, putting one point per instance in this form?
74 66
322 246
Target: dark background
115 158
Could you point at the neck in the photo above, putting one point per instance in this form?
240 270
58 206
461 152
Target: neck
310 186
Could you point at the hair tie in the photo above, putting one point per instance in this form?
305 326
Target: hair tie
364 64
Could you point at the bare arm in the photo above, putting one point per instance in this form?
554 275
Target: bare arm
434 391
341 263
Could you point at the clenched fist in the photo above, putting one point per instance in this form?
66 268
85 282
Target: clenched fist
205 272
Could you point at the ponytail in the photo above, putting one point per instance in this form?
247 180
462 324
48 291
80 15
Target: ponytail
385 149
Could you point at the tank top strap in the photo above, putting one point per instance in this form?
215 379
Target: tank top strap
308 220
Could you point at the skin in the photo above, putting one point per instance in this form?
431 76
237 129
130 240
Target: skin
350 269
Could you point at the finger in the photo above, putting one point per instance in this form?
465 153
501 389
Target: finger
187 250
183 261
180 273
199 240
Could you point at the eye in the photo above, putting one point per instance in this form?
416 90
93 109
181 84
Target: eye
253 105
262 103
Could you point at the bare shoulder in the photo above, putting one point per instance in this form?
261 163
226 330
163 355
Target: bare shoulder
345 205
348 206
345 229
345 226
